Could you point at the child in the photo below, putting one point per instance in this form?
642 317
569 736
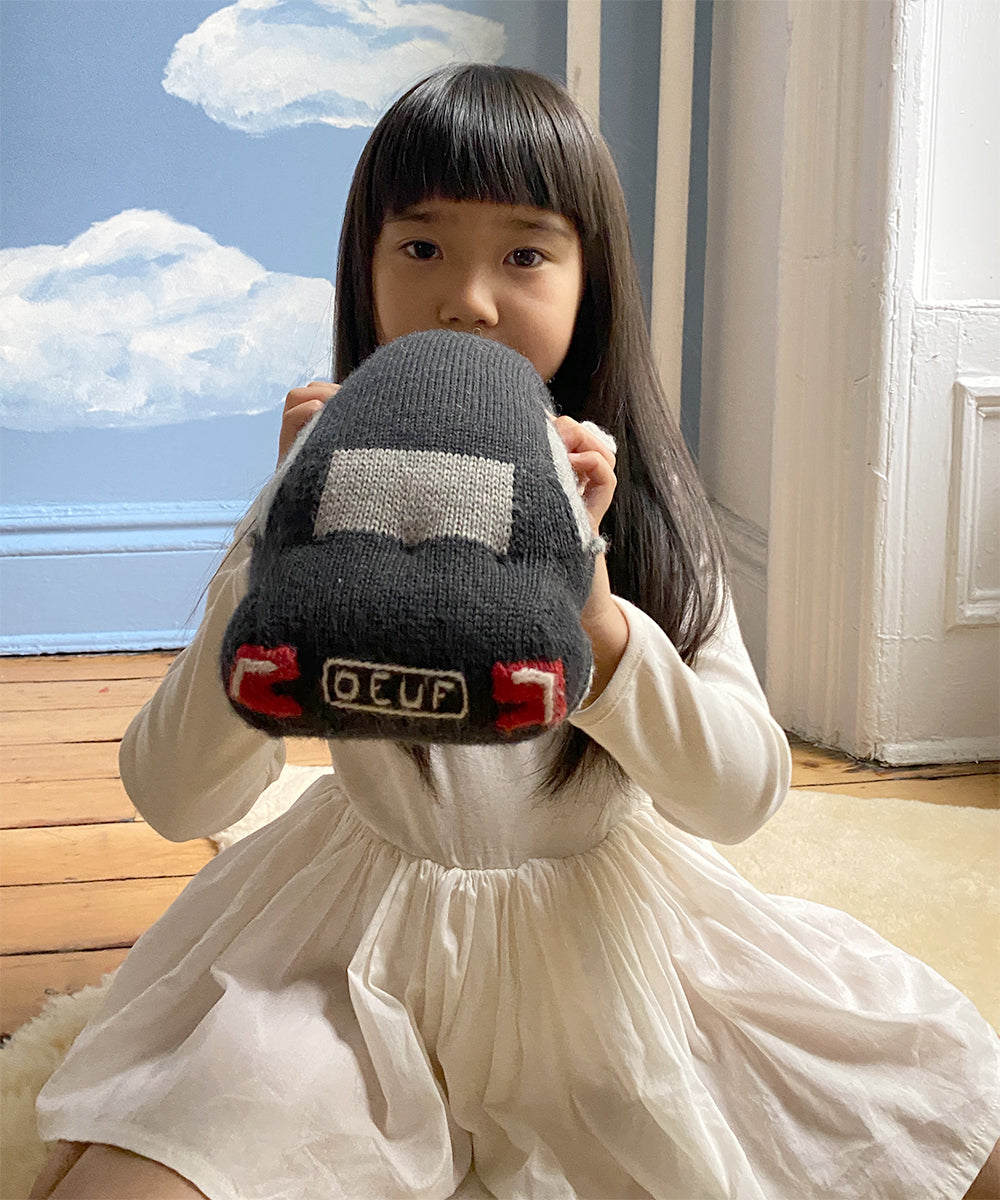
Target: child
536 974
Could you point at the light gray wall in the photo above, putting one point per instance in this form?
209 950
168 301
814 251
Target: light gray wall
738 359
630 81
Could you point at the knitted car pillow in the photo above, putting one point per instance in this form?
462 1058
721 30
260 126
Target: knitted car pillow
423 562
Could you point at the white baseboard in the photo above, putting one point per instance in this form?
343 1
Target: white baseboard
111 641
938 750
93 578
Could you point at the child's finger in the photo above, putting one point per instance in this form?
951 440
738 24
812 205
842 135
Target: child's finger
294 421
597 482
606 441
317 390
301 405
579 437
592 471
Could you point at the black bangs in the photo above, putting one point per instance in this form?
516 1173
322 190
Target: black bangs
482 133
490 133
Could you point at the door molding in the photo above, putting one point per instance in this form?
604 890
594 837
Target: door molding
862 652
836 263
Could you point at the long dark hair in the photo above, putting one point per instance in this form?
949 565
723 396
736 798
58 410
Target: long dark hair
482 132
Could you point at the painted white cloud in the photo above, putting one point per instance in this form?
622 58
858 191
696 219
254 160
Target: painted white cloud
144 321
261 65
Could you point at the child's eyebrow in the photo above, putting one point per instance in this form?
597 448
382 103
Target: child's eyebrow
411 214
553 224
542 223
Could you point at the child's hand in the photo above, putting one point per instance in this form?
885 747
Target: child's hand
301 405
592 457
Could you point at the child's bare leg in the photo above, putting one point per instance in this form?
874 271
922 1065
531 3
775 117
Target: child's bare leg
64 1155
108 1173
987 1183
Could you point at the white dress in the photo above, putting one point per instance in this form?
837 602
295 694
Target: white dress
385 992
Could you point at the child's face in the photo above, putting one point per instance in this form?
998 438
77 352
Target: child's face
513 274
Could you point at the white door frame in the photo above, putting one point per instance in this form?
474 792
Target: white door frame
863 651
828 497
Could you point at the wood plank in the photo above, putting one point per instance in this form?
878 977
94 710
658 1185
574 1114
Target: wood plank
818 767
46 667
64 802
65 725
28 981
307 752
79 784
75 854
81 760
969 791
83 916
99 760
76 693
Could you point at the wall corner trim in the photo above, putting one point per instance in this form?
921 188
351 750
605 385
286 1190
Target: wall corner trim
583 56
670 227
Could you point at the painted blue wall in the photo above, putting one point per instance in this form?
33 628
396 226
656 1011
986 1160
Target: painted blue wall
169 261
630 84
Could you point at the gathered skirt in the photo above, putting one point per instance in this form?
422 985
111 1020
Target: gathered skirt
322 1015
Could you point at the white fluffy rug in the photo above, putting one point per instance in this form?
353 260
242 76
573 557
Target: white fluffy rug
926 876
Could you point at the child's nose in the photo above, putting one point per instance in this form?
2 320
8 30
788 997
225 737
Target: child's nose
468 303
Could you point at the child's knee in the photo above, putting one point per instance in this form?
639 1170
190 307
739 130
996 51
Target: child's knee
98 1172
63 1156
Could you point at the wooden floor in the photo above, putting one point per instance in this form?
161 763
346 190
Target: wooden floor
83 876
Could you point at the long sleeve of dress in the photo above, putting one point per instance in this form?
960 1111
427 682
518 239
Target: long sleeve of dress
700 741
189 764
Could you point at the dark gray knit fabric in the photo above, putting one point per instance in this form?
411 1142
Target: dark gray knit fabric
424 561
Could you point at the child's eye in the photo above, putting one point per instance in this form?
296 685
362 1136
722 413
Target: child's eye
524 256
420 250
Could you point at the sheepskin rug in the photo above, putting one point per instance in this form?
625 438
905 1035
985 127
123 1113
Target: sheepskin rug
926 876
